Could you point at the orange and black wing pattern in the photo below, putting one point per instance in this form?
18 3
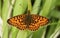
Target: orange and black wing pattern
38 21
31 22
18 21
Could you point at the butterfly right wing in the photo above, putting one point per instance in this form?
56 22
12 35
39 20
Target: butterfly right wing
37 22
18 21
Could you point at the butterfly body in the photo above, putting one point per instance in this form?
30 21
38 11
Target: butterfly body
28 21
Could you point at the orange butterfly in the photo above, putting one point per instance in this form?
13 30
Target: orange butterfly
28 21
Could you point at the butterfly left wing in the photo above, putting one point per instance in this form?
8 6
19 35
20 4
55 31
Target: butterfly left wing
38 21
17 21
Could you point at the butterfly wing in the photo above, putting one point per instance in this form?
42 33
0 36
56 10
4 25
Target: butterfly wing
38 21
17 21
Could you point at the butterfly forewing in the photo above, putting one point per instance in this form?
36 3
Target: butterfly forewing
18 21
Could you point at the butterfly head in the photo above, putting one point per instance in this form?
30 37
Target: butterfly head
28 12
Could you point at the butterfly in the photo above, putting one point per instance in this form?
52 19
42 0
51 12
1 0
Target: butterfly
28 21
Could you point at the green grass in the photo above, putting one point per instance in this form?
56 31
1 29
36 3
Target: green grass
4 15
0 7
46 8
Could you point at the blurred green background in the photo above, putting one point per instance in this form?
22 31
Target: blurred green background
46 8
